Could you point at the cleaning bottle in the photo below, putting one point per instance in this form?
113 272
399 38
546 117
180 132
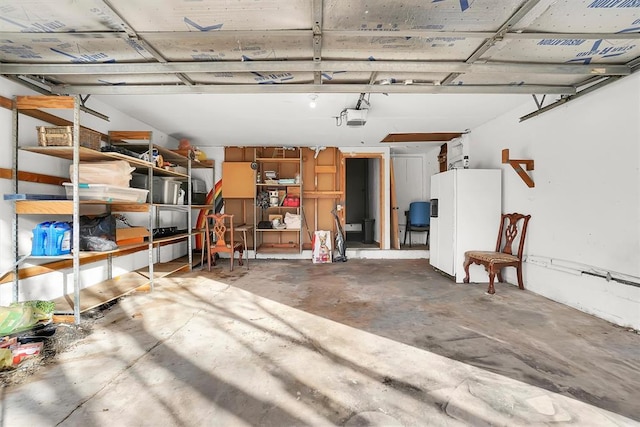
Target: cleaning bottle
59 239
39 242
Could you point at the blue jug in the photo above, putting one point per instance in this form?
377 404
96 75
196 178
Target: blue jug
59 239
39 242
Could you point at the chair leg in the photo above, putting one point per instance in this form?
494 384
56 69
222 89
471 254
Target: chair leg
499 276
240 252
406 228
467 261
208 242
519 272
492 276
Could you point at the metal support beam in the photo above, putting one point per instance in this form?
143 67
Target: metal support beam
566 99
186 36
313 66
317 37
317 29
311 88
539 103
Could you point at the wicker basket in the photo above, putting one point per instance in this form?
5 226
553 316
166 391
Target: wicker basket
63 136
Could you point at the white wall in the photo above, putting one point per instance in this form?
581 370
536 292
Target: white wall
50 286
585 205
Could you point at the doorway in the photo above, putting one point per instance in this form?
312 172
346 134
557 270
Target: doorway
364 198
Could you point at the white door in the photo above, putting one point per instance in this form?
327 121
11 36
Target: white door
408 172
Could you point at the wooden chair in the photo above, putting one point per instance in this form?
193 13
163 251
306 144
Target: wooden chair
220 226
503 256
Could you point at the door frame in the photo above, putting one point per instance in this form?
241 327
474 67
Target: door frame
343 184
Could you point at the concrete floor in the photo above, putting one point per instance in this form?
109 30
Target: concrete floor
367 342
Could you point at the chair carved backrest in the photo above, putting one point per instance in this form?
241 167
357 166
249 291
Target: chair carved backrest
219 228
509 232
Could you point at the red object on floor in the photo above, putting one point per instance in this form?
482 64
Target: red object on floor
25 350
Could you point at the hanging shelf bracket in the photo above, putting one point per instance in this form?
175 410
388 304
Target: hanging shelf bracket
517 166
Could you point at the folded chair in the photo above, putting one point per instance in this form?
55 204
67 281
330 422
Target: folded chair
511 225
220 228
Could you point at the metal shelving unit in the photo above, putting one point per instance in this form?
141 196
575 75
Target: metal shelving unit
111 288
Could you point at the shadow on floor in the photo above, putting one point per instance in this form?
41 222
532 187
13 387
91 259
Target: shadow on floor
514 333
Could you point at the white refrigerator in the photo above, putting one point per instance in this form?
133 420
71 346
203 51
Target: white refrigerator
466 205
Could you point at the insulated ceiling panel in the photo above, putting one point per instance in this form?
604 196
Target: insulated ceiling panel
409 48
449 15
61 16
232 47
214 15
579 51
53 48
251 78
582 16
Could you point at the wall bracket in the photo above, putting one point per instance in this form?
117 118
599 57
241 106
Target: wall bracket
517 166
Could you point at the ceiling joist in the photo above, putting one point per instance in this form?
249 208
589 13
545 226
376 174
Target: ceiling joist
316 66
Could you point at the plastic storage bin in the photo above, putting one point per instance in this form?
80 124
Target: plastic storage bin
107 193
165 190
198 192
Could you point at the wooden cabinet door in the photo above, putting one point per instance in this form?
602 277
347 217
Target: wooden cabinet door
238 180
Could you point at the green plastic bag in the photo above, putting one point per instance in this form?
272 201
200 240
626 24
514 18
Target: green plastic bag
24 315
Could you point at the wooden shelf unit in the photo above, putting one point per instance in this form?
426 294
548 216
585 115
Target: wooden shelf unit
287 164
108 290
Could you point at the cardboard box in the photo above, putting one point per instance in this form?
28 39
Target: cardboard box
131 235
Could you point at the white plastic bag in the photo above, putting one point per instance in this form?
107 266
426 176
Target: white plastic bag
114 172
292 221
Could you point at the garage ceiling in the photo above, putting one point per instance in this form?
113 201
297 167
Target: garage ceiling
114 47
